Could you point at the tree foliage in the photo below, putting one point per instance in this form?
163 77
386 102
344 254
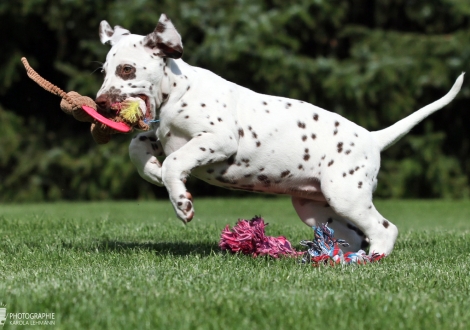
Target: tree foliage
373 62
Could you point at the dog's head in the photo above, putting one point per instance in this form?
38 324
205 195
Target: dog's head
135 66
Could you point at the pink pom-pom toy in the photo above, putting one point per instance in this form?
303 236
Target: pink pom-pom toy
248 237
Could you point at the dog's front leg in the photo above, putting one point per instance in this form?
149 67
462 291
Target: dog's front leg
144 151
206 148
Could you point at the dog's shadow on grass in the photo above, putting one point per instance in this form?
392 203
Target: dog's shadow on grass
160 248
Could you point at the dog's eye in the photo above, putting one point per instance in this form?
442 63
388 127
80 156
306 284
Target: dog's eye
127 69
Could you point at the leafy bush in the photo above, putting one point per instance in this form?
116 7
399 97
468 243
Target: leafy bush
373 62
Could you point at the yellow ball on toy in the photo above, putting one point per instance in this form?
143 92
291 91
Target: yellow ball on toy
130 111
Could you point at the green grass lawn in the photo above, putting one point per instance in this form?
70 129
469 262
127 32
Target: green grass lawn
133 265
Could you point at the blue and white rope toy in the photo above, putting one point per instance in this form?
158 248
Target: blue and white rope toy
324 249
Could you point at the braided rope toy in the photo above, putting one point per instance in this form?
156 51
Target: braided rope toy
125 117
248 237
324 248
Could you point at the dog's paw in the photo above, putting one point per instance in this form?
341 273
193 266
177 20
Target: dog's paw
184 207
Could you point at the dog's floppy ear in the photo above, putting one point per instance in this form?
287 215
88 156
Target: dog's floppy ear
111 36
164 41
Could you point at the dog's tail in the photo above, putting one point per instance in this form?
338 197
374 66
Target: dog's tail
388 136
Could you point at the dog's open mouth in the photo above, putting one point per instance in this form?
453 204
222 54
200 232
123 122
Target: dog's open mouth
148 113
133 109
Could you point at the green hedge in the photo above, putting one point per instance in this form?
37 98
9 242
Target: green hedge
373 62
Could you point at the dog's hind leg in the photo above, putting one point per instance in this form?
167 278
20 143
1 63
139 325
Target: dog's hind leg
357 207
144 151
314 213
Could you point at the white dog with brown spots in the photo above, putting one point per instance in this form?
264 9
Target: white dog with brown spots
232 137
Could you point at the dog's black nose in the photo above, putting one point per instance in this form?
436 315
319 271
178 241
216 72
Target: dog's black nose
103 102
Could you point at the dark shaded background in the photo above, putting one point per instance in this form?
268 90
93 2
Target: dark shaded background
373 62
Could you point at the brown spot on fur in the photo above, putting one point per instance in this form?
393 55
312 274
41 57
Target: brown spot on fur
385 223
331 162
315 117
306 157
340 147
285 173
304 137
160 27
265 180
125 71
241 132
300 124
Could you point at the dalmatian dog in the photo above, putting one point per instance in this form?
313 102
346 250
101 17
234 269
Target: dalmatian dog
232 137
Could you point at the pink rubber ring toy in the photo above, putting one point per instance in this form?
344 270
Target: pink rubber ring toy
121 127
